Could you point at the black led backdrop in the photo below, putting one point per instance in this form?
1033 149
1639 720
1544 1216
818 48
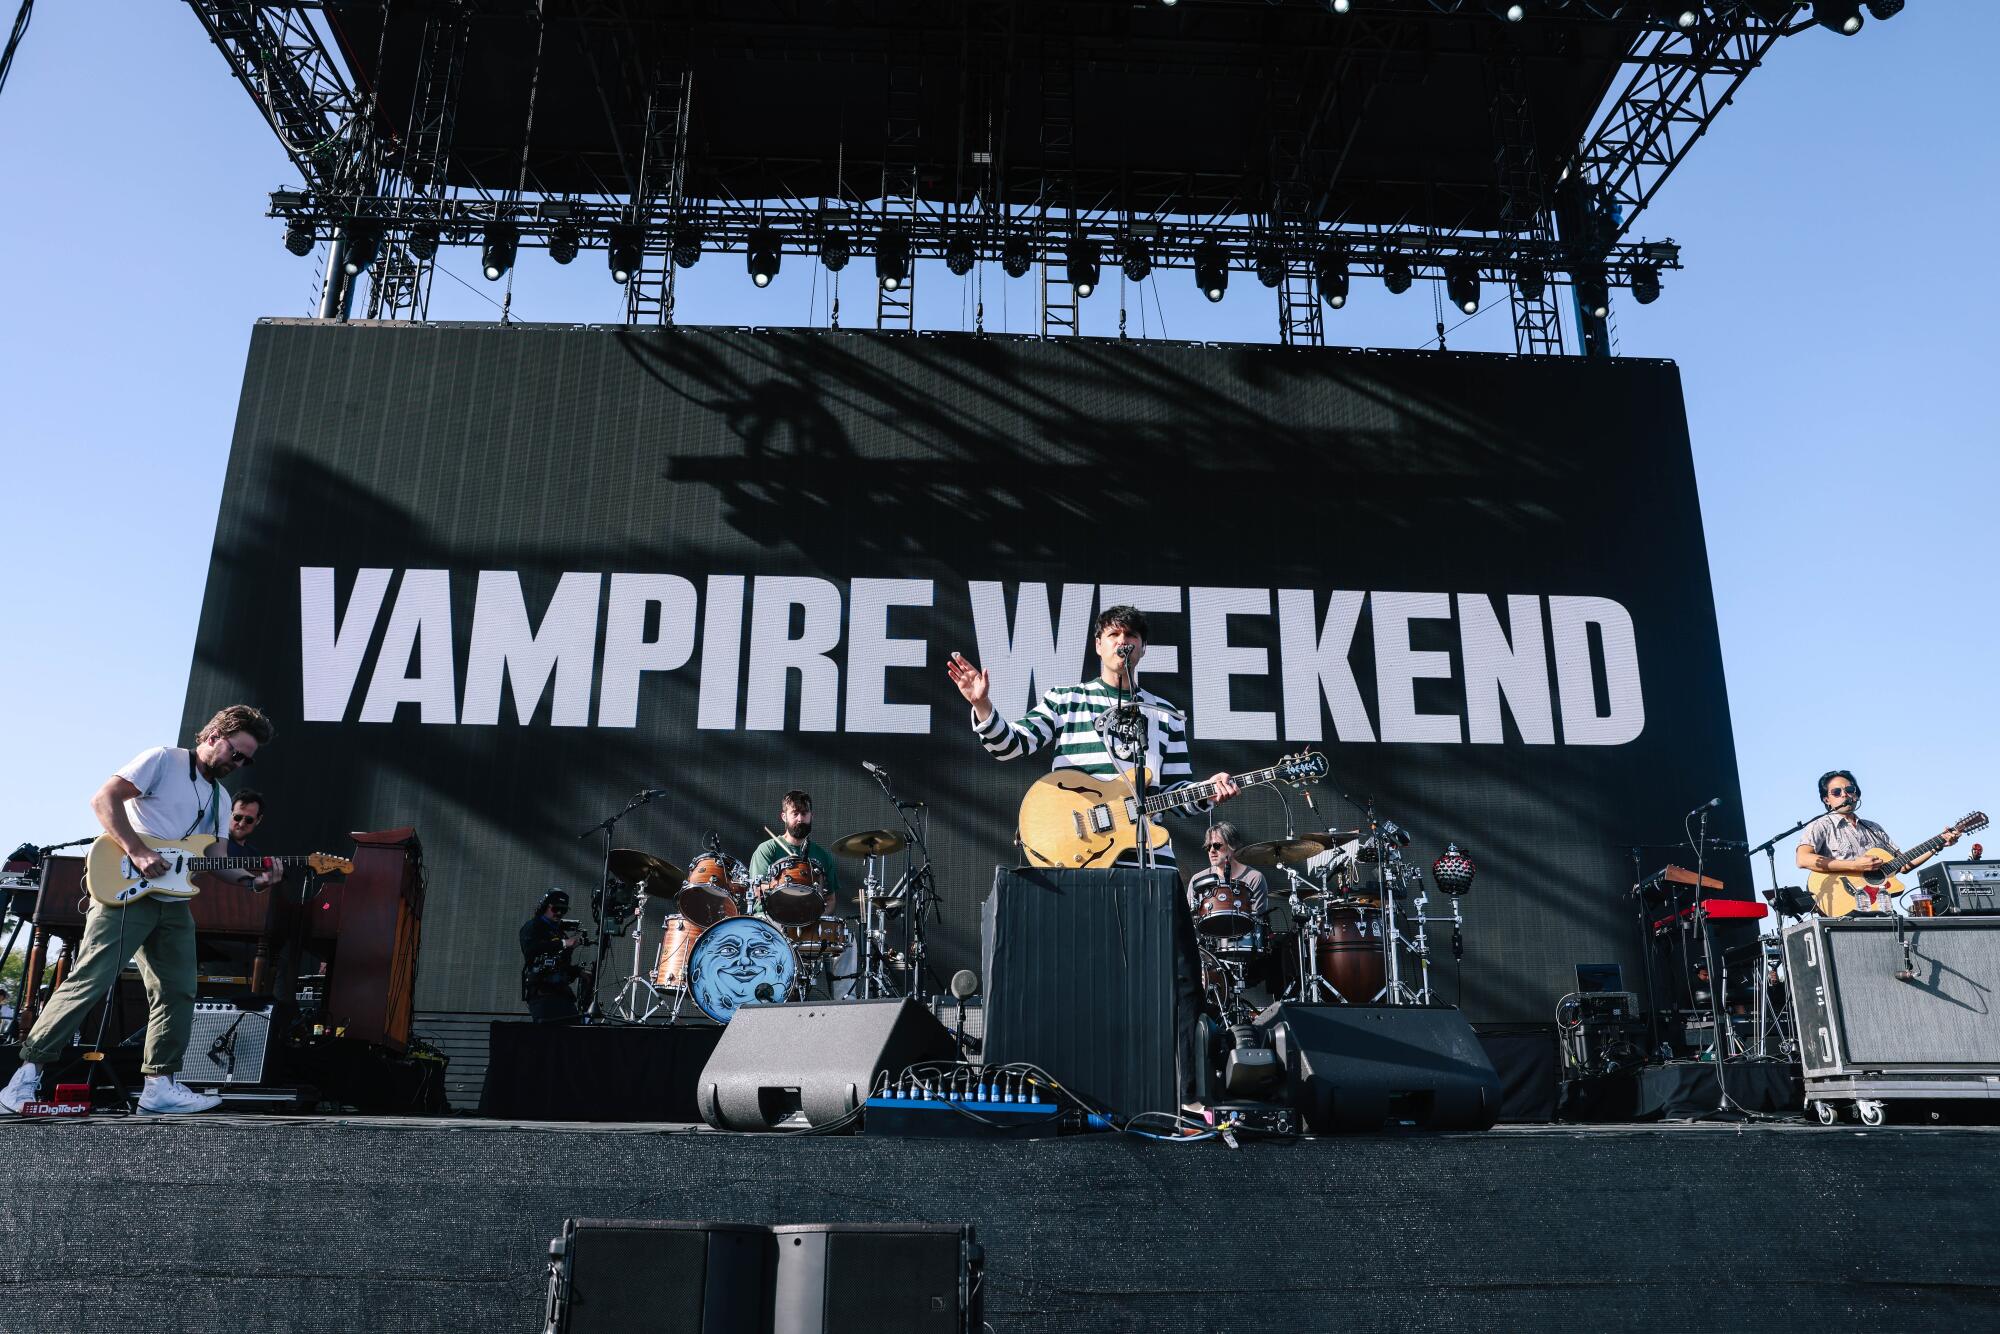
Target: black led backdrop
491 581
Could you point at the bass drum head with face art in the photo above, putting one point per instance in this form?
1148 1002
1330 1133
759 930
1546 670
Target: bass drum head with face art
740 961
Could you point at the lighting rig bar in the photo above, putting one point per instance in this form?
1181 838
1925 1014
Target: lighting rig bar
277 55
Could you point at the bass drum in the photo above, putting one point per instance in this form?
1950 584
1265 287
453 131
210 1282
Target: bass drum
1349 953
737 962
677 939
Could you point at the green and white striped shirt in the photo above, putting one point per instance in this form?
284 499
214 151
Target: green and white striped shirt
1066 717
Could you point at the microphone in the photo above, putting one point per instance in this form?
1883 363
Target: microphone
964 984
1708 805
763 991
875 769
652 792
1124 650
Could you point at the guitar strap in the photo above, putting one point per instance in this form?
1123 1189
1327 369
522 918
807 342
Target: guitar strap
214 811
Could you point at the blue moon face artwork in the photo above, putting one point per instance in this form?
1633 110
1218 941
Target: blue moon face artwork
740 961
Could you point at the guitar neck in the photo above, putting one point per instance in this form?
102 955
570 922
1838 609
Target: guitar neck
1188 796
203 865
1918 853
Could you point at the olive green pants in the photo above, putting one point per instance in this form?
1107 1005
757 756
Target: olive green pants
160 931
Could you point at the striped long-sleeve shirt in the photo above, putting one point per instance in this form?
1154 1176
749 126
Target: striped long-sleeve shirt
1066 718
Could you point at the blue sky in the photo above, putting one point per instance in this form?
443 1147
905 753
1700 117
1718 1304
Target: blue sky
1831 346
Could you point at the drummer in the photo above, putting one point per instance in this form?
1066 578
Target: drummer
795 817
1220 843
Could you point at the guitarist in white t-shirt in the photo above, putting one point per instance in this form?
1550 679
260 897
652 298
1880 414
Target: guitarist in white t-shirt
163 793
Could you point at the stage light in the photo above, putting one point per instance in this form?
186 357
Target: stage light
1502 9
299 237
497 255
1593 294
423 240
1841 16
1675 12
1270 264
364 239
836 247
1396 275
1461 284
1211 269
563 242
1137 261
688 241
762 256
1331 271
1884 9
1084 267
892 258
1340 6
1016 256
1533 282
1645 283
960 254
628 247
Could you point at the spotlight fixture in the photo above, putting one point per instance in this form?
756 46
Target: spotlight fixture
835 249
1461 284
1532 280
1339 6
763 256
1645 283
299 237
960 254
1884 9
1396 274
1211 269
892 258
563 242
688 241
1270 264
1841 16
1593 295
1331 271
364 240
1502 9
1137 261
423 242
1016 256
497 255
628 246
1677 13
1084 266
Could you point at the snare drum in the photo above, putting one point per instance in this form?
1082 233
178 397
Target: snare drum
794 891
677 938
714 889
1224 911
824 938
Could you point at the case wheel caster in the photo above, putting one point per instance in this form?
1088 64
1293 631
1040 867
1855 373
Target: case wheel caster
1826 1112
1869 1110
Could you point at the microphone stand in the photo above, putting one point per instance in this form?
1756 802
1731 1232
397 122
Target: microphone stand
922 895
1142 826
600 900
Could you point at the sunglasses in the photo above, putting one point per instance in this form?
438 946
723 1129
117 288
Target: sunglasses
241 759
1843 791
1216 847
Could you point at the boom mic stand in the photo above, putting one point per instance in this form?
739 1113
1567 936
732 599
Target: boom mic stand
602 898
922 896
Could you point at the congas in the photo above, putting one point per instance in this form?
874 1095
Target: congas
1348 952
714 889
794 891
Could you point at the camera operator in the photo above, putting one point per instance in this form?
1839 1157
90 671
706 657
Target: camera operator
548 976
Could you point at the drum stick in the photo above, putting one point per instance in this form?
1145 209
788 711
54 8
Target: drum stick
767 829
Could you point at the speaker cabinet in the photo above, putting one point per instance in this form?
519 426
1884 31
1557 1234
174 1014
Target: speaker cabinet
820 1058
1361 1067
226 1046
623 1275
1855 1013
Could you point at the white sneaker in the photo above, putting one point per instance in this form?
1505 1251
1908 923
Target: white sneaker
170 1097
24 1087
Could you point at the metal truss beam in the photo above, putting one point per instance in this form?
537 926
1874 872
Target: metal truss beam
276 53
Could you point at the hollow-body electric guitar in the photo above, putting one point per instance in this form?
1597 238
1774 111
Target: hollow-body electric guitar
114 882
1071 818
1838 893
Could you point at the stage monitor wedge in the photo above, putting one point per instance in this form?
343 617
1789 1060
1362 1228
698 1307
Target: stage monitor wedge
816 1057
1368 1067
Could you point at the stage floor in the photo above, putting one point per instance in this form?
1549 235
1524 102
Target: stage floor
317 1223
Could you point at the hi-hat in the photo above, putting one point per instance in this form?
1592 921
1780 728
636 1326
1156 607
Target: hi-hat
871 843
643 868
1285 850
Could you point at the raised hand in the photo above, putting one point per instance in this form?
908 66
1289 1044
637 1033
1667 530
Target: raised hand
971 682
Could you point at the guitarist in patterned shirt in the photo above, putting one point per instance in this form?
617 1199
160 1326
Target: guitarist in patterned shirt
1085 726
1840 841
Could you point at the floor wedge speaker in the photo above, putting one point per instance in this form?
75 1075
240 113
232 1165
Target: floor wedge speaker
820 1058
1363 1067
614 1275
875 1278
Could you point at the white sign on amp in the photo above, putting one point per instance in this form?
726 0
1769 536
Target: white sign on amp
837 640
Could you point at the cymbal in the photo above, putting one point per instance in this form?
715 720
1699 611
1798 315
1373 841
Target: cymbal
1276 850
636 868
871 843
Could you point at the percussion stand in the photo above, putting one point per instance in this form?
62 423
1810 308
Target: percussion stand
1309 924
629 1003
602 897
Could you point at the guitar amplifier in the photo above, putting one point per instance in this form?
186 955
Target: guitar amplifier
1962 888
1857 1015
226 1049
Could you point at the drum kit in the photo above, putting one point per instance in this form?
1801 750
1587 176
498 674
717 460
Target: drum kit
1360 922
731 939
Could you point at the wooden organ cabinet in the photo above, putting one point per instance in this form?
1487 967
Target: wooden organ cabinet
353 938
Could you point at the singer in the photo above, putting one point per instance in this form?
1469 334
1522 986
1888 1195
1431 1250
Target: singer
1103 726
1839 842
